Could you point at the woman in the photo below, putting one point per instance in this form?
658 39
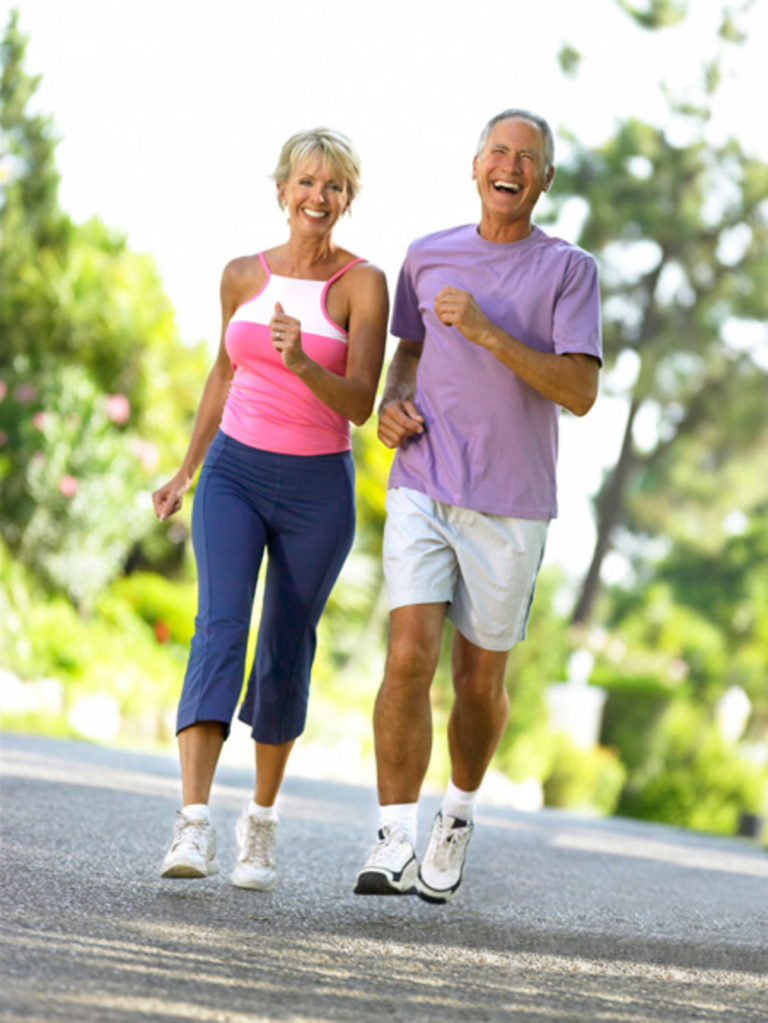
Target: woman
302 343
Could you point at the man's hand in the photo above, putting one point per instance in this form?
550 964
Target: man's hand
398 421
456 308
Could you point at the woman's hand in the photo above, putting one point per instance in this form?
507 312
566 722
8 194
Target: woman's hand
286 338
167 499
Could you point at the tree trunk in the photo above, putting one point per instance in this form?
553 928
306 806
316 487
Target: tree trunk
609 512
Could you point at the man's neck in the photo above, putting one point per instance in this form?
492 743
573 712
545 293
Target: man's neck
493 230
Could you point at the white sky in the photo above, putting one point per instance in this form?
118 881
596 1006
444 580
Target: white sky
172 113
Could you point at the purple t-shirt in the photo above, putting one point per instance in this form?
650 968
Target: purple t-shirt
490 440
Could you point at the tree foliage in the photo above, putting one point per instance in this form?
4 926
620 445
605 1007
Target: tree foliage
94 383
680 231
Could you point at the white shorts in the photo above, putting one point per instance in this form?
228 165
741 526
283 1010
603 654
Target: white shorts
483 566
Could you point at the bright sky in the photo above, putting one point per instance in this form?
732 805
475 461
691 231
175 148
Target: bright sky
172 113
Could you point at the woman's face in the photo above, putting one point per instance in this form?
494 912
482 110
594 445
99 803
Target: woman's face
315 196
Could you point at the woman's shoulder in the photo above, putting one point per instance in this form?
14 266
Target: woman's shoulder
357 268
242 277
242 267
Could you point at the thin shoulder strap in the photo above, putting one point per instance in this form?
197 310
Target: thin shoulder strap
326 286
354 262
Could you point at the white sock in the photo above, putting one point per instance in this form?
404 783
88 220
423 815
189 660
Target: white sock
457 803
196 812
262 813
404 815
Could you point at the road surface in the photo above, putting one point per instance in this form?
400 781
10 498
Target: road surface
560 918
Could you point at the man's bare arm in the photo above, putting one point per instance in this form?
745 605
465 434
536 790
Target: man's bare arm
398 416
569 380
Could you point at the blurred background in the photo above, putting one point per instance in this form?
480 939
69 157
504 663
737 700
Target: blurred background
137 145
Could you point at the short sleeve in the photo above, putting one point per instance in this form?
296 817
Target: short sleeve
576 320
407 321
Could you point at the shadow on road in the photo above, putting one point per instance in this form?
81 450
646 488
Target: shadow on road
560 918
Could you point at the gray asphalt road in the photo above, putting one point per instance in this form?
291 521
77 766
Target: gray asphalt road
560 918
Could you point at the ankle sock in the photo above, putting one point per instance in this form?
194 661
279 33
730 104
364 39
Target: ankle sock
457 803
262 813
196 812
404 815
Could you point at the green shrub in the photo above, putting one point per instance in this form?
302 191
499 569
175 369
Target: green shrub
529 754
112 653
633 710
584 779
167 607
74 495
701 782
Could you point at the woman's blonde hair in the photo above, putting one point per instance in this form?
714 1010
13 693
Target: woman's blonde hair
331 147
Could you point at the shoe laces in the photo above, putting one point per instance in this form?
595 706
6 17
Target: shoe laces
258 843
449 843
189 832
390 837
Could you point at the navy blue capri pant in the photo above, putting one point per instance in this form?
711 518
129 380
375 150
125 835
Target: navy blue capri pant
298 508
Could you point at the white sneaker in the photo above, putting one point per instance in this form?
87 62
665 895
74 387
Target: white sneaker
442 867
255 867
391 867
193 849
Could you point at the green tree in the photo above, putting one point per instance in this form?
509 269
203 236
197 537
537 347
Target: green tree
681 235
94 383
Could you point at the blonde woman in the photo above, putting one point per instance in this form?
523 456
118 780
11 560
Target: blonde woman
302 343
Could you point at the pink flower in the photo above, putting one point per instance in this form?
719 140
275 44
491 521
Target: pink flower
40 419
25 393
68 485
118 408
3 389
146 452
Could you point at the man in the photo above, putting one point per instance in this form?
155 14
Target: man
500 327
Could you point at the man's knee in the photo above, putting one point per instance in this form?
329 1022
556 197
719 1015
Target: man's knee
410 662
413 647
479 690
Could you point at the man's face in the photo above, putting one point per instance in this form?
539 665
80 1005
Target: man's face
511 172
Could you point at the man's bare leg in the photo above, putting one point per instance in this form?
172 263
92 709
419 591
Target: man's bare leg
476 724
402 722
479 713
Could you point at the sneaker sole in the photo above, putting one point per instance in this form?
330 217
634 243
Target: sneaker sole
185 870
435 896
253 884
379 882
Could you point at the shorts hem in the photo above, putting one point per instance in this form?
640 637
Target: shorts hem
410 600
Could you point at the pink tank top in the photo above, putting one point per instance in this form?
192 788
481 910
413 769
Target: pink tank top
269 407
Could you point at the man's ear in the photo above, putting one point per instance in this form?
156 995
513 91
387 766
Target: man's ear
550 178
474 168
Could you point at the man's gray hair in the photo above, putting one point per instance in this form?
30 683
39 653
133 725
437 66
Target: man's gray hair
522 115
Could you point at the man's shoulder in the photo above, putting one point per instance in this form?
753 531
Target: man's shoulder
449 237
562 247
